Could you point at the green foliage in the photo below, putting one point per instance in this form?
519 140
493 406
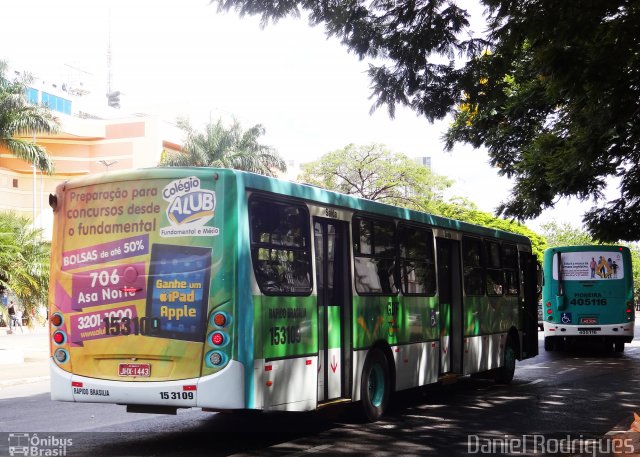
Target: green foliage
225 147
19 117
375 173
24 261
565 235
552 90
472 215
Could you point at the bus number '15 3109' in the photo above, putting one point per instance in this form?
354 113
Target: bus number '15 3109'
176 395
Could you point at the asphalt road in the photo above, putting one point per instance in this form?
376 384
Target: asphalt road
580 394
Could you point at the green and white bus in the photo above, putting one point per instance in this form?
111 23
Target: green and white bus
588 294
220 289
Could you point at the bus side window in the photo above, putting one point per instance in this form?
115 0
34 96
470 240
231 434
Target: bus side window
280 247
417 265
510 266
495 274
473 268
374 256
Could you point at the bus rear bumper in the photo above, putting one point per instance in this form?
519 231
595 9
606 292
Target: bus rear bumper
223 390
616 331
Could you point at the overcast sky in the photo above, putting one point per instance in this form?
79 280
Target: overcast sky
183 58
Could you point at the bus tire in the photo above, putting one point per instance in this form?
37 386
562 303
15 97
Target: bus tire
375 385
618 346
504 374
548 343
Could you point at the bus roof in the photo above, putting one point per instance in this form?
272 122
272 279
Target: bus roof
586 247
296 190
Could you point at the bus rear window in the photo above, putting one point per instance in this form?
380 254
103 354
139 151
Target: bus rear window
280 247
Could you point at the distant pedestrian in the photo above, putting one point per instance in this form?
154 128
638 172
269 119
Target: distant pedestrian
15 318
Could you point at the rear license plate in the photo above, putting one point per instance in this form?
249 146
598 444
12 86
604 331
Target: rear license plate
588 330
588 320
134 369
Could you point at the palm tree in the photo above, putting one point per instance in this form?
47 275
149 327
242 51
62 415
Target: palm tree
24 261
224 147
19 117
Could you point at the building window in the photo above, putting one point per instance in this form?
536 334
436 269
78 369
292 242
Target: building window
15 183
32 95
56 103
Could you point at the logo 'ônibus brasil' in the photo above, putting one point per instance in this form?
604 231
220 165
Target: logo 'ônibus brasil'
188 203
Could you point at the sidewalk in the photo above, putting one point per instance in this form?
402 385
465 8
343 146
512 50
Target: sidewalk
24 357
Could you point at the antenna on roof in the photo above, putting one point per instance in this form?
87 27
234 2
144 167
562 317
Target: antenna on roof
113 97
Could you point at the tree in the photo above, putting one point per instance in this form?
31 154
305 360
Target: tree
375 173
565 235
24 261
19 117
226 147
552 89
463 211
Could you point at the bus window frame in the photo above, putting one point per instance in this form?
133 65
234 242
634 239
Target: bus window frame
255 246
357 254
480 267
428 231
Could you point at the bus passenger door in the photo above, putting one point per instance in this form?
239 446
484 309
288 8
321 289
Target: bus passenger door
529 266
450 303
332 285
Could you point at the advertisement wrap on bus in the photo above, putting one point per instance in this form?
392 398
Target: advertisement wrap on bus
135 262
183 287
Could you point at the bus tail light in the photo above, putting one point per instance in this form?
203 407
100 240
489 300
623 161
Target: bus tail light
215 359
56 319
61 355
220 319
59 337
629 311
217 339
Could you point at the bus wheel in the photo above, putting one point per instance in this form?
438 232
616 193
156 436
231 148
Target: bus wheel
504 374
619 346
548 343
374 385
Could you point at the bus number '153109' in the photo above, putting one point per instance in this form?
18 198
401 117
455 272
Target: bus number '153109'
285 335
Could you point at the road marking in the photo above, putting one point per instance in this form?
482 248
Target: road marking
311 450
566 371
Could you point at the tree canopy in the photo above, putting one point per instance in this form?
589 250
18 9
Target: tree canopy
551 89
375 173
19 117
227 147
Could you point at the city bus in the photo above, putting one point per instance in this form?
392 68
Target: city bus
588 295
225 290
